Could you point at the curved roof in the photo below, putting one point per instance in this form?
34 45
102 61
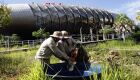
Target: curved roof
21 14
57 17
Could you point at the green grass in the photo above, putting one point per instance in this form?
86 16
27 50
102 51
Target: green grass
22 65
129 64
14 64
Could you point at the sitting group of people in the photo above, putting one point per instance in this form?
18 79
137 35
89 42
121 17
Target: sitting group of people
62 46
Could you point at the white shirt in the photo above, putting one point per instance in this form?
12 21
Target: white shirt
47 48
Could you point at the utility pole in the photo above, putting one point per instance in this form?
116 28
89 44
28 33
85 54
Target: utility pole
91 33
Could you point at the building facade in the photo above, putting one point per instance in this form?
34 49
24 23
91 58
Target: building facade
29 17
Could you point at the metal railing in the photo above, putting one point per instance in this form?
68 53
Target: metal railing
21 45
32 43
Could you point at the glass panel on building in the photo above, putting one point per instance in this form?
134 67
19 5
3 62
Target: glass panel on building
96 16
90 16
70 18
105 16
46 16
54 16
62 16
83 15
101 16
77 17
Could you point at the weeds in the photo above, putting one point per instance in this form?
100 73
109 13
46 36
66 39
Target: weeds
22 65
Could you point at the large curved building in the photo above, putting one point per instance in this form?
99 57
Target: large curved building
29 17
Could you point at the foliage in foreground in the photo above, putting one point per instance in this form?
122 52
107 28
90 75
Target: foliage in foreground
23 66
124 68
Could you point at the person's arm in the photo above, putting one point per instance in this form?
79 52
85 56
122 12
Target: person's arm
57 52
61 46
40 52
73 41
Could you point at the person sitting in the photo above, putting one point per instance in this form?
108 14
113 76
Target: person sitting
49 48
72 48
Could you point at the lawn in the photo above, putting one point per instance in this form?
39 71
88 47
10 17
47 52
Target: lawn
22 65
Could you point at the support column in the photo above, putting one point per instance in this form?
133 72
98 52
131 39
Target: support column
123 36
91 34
97 36
81 35
112 35
103 32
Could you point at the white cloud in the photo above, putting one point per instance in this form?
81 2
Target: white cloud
130 9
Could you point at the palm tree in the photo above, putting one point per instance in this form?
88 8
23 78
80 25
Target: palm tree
122 20
123 24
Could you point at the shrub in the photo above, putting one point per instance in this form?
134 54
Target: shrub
15 37
136 36
40 33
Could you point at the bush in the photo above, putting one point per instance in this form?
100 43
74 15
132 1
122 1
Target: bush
107 30
15 37
136 36
40 33
1 38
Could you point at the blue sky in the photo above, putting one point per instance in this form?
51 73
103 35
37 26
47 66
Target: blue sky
129 7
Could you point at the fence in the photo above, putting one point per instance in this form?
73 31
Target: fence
95 38
7 45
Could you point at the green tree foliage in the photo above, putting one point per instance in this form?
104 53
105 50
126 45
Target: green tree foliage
107 30
1 37
15 37
40 33
138 16
136 34
122 20
5 17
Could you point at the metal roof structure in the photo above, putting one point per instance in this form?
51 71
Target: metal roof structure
28 17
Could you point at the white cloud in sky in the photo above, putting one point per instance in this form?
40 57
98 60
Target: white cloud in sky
130 9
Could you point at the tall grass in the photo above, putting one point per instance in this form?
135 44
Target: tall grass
36 73
14 64
22 65
128 63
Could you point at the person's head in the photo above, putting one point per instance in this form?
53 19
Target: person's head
57 35
65 35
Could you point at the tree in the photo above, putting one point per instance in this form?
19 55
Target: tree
106 30
1 37
40 33
138 16
15 37
5 17
123 19
123 24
